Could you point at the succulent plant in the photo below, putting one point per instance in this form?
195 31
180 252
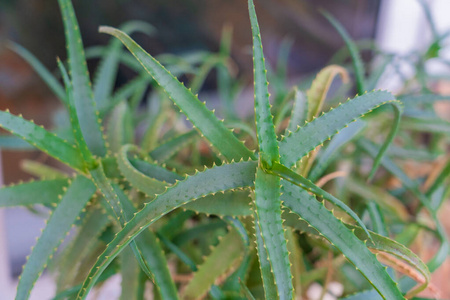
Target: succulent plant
131 201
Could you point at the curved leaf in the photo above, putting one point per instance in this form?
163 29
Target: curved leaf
145 184
25 194
42 139
315 213
319 88
297 144
202 118
59 223
267 187
229 176
82 92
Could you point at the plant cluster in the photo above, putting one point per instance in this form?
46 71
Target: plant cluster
211 212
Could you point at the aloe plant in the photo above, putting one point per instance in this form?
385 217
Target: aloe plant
250 204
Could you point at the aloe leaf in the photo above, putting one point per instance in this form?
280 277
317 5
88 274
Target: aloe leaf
300 110
145 184
330 152
267 187
168 148
231 203
102 183
228 176
42 71
223 257
85 239
10 142
202 118
82 93
148 252
154 171
297 264
377 219
316 96
71 292
354 52
268 279
74 121
42 139
41 170
398 257
59 223
412 186
25 194
105 77
130 274
315 213
307 185
297 144
319 88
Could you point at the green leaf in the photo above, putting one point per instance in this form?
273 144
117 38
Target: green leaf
85 240
148 252
25 194
270 289
299 112
267 187
230 203
41 170
10 142
130 275
221 259
74 121
307 185
297 144
42 139
229 176
102 183
398 257
59 223
315 213
82 92
106 74
202 118
319 88
145 184
354 53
